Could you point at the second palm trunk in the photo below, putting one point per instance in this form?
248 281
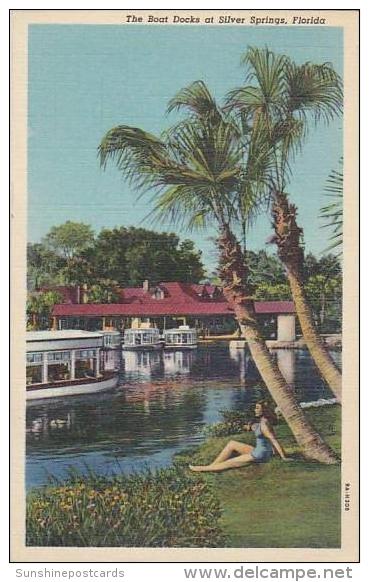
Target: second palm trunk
287 239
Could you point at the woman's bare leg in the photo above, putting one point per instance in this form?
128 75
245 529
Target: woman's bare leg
234 463
230 448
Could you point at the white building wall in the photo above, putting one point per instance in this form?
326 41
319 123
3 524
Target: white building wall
286 328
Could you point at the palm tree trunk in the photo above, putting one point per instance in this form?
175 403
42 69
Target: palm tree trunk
314 343
233 276
287 239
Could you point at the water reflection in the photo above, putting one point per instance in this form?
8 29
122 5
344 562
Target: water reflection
178 362
247 370
286 360
163 400
141 363
112 360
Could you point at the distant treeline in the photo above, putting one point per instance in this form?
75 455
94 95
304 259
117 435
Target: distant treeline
71 254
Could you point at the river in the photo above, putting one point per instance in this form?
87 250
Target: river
163 401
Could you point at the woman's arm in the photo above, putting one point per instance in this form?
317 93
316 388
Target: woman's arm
269 433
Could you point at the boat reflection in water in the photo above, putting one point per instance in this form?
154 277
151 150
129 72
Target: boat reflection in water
112 360
141 363
177 362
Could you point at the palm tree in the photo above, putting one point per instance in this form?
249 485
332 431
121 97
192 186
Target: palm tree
198 172
333 213
287 97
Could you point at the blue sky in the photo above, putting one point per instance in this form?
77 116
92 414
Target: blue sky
86 79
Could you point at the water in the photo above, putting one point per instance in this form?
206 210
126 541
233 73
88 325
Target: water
163 401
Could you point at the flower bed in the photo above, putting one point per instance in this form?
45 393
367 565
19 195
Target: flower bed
166 508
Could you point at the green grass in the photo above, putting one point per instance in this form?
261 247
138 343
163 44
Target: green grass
277 504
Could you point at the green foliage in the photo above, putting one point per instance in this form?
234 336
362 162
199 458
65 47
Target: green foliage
322 281
105 291
264 268
69 239
232 423
201 169
167 508
286 99
39 308
270 292
125 255
332 213
43 266
131 255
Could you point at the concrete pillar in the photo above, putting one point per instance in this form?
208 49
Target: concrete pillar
286 328
45 378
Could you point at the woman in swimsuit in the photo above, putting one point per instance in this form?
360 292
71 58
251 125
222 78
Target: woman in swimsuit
266 442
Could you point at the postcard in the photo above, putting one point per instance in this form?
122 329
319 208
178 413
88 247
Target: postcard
184 325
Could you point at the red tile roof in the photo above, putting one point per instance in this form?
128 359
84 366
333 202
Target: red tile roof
179 299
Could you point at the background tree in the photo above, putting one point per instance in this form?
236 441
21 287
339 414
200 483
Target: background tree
130 255
69 239
264 268
39 309
323 284
198 171
43 266
105 291
127 255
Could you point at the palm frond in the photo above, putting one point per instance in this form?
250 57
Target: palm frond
197 99
248 100
332 213
267 69
314 89
196 169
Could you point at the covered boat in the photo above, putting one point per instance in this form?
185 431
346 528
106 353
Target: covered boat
142 338
181 337
65 363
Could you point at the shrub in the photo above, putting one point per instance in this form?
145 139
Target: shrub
166 508
232 423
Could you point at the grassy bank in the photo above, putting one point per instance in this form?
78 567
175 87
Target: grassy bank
295 504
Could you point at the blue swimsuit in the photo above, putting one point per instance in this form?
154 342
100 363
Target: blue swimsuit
263 451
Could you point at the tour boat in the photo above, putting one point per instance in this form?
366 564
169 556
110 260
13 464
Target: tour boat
142 338
112 339
181 337
66 363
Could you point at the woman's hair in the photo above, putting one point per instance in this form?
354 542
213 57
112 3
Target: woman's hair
268 412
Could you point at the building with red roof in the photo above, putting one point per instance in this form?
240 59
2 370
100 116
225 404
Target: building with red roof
165 305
